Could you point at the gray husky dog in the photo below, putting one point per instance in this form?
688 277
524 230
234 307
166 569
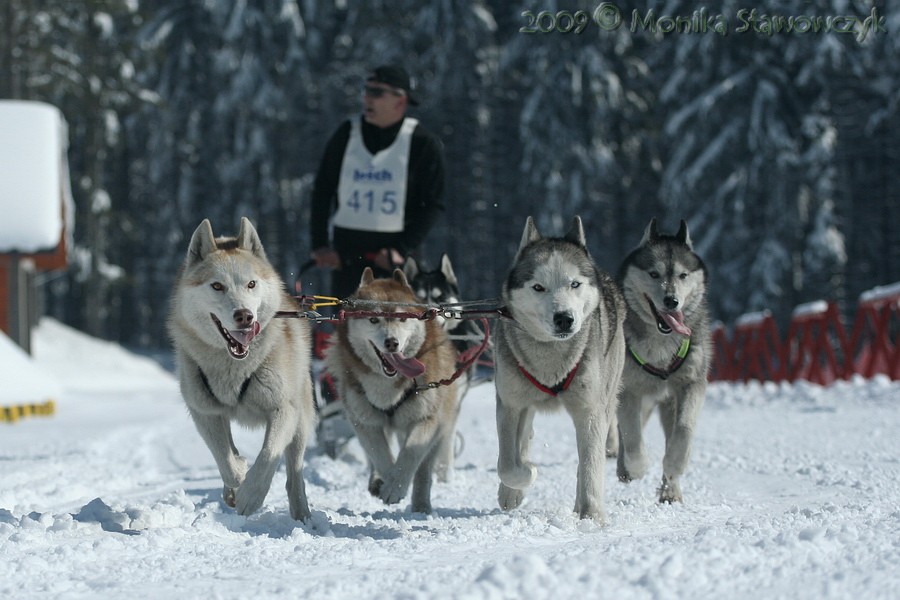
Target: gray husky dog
669 345
378 363
236 362
564 347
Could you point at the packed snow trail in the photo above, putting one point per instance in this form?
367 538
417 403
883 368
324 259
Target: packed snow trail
792 492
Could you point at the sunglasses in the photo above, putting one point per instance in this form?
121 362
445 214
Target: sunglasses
377 92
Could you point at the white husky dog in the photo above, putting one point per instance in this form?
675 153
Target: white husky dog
565 348
237 363
669 345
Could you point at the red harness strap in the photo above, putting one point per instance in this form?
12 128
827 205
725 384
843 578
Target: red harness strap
556 389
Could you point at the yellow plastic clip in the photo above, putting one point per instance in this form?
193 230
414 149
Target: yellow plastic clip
325 301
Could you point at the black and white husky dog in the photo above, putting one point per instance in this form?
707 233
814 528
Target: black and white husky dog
563 348
669 348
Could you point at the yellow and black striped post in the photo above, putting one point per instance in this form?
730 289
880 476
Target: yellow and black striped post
11 414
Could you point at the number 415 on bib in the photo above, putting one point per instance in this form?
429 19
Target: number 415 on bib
371 201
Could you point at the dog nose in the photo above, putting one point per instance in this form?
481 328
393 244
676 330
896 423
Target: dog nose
243 317
391 344
671 302
563 321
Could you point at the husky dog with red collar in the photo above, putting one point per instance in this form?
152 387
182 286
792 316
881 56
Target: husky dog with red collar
669 347
237 362
563 348
381 365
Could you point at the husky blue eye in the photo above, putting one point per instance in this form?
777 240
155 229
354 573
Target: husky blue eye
576 284
217 286
537 287
373 319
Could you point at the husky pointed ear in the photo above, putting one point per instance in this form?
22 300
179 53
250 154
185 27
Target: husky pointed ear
202 242
651 233
447 269
410 268
367 277
529 234
248 239
576 233
400 277
684 235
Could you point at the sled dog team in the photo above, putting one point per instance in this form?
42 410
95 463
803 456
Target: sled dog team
607 351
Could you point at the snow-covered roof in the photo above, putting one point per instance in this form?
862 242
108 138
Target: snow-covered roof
34 179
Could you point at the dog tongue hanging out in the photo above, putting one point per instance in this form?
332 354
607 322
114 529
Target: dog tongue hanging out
667 331
379 361
237 363
396 362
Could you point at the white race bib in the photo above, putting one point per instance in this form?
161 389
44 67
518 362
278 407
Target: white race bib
372 188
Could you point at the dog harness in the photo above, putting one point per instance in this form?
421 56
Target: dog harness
390 410
205 382
556 389
676 363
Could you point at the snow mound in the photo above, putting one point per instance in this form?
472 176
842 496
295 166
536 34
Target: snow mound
30 383
81 362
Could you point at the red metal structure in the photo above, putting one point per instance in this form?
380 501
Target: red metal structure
817 347
874 347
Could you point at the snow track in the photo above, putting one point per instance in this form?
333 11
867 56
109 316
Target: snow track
792 492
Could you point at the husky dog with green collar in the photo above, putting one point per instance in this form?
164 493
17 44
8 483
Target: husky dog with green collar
563 348
669 350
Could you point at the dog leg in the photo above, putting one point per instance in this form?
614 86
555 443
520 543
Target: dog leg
447 453
421 485
632 458
519 436
612 437
514 432
509 498
280 430
679 417
591 429
216 432
374 442
296 487
419 444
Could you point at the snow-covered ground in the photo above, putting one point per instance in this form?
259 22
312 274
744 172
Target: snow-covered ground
793 492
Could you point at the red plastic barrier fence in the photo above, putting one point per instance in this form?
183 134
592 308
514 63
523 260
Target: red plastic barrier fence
815 340
817 347
875 345
756 349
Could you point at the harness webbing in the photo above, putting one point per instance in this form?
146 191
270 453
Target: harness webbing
205 382
464 361
458 310
676 363
556 389
389 411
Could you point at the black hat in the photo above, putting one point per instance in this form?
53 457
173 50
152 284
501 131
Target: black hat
396 77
